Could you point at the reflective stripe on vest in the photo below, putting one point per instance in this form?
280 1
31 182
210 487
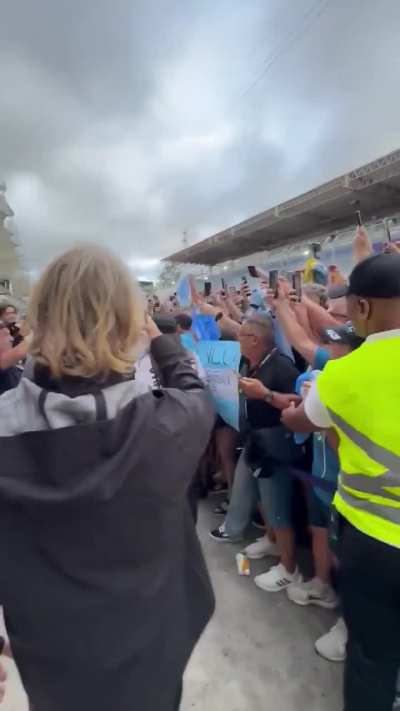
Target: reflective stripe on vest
389 513
374 485
380 454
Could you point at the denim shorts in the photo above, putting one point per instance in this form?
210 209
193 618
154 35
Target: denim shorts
318 511
277 497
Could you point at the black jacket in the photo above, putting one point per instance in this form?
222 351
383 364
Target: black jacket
9 378
102 578
277 372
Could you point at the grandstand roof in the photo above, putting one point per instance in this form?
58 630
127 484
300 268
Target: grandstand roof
321 211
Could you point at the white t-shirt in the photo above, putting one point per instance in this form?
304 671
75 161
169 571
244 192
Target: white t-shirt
315 409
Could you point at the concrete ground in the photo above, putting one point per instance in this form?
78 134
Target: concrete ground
257 653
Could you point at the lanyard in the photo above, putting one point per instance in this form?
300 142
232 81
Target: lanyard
252 373
258 367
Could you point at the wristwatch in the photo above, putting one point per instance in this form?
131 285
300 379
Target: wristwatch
269 398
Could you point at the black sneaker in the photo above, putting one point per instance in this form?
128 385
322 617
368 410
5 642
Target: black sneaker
220 535
222 509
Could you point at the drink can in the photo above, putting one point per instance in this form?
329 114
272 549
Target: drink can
243 564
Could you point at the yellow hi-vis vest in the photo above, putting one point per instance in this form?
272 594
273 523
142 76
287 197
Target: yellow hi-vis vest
362 394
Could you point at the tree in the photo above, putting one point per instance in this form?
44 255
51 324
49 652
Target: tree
170 275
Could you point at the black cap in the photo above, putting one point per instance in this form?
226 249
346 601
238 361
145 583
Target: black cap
377 277
343 335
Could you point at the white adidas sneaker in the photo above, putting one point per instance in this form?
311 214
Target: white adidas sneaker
277 579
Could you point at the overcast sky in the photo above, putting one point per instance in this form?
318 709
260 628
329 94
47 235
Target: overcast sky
130 121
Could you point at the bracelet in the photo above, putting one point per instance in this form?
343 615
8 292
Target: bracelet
269 398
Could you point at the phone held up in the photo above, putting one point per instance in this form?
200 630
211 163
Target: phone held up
387 231
245 287
274 281
207 288
253 272
297 279
316 250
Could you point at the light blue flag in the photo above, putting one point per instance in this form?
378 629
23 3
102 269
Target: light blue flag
205 327
183 292
221 360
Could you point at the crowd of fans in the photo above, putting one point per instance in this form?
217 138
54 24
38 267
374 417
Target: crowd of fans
286 338
96 529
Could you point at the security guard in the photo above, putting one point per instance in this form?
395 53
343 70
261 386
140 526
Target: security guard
359 396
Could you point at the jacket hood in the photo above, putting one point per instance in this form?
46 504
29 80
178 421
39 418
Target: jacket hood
77 441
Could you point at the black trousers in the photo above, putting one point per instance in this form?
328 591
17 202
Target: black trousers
370 589
177 702
179 697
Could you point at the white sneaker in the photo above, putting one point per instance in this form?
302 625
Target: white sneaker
262 548
277 579
332 646
313 592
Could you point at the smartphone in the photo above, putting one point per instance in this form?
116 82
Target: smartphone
246 287
253 272
207 288
387 230
316 250
297 279
358 218
223 282
273 280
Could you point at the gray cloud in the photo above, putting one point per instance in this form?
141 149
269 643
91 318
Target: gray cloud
127 123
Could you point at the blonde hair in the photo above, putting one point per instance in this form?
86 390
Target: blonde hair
87 314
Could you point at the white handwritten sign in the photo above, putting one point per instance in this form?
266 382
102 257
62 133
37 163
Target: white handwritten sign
221 360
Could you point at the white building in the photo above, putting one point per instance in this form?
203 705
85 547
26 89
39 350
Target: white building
14 279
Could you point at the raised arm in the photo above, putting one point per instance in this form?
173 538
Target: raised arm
319 317
225 321
13 355
234 311
362 247
196 297
294 332
172 360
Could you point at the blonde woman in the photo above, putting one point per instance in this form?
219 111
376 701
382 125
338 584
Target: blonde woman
102 579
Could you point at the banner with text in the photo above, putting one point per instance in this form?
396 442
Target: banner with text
220 360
